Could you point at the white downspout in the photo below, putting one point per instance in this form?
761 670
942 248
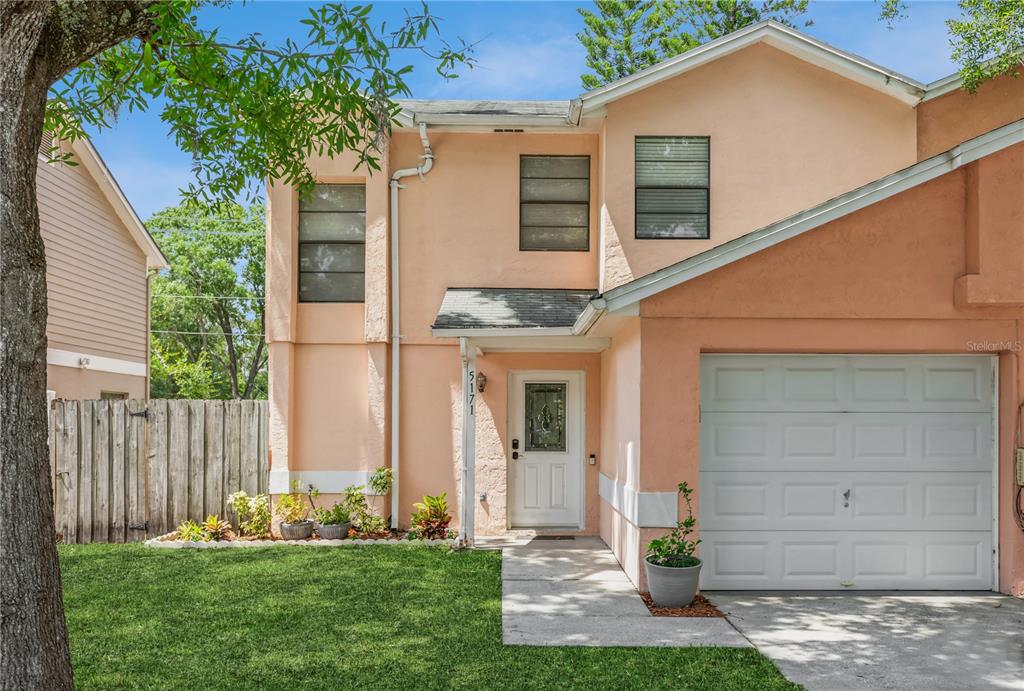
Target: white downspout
396 332
467 487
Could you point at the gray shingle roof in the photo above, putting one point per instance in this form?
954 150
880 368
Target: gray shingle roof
510 308
553 109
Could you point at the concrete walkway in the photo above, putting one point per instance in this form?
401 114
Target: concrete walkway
927 641
573 593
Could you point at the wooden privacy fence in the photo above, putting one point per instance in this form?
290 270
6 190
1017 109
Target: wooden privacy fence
127 470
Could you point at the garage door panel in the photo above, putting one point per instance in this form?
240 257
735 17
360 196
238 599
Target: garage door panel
846 561
846 383
759 501
789 440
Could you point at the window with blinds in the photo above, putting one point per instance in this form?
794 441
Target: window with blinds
554 203
332 244
672 187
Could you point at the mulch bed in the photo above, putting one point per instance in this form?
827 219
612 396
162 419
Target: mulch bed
700 607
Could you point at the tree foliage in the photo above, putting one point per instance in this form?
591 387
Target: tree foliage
988 39
623 37
207 310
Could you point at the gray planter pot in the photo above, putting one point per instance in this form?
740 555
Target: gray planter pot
297 531
672 586
333 531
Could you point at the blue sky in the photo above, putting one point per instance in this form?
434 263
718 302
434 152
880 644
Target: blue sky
524 50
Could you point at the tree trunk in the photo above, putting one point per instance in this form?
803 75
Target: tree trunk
34 651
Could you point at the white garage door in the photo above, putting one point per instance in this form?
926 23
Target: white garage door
853 471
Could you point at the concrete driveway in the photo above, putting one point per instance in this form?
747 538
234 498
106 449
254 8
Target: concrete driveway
903 640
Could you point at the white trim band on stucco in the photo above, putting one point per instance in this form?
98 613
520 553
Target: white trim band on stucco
642 509
98 363
326 481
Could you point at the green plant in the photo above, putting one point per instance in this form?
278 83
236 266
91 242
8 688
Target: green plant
371 525
431 518
336 515
190 531
676 549
292 507
253 513
381 481
215 529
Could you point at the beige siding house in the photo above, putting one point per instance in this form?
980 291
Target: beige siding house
98 260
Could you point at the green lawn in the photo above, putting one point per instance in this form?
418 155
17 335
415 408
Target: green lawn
371 617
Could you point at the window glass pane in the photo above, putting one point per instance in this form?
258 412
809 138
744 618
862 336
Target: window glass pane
545 416
671 225
554 190
346 226
555 238
671 174
326 287
554 215
687 201
554 166
335 198
320 257
672 148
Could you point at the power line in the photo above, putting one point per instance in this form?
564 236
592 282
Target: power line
203 333
197 231
206 297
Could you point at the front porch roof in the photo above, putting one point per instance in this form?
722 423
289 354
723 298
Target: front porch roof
510 310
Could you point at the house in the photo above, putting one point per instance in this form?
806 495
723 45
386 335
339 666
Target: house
98 261
768 267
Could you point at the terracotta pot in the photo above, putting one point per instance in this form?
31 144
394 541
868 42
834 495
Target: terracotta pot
672 586
297 531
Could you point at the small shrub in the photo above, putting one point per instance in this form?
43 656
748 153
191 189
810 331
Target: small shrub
190 531
253 513
381 481
354 502
214 529
676 549
371 525
431 518
292 507
336 515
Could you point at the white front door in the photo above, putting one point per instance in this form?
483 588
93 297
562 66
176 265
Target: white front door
847 471
545 449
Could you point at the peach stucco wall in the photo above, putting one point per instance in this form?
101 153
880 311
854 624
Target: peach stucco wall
785 135
81 383
878 281
460 226
944 122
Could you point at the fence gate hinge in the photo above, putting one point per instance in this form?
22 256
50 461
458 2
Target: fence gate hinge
139 526
142 413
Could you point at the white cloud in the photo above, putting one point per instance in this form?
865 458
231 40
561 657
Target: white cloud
520 67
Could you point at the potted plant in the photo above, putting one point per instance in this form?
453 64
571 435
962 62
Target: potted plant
672 570
333 523
293 511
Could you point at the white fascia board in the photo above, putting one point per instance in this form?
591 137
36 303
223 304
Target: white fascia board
779 36
489 332
941 87
855 200
105 180
556 122
541 344
96 363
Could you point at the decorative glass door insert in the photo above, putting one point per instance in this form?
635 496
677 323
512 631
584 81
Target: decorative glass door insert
545 416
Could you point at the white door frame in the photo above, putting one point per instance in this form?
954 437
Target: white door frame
547 375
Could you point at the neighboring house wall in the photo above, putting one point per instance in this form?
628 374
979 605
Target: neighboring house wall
97 288
947 120
785 135
878 281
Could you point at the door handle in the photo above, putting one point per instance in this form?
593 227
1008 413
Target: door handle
846 498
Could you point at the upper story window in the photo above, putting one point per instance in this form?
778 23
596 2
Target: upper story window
332 244
554 203
672 186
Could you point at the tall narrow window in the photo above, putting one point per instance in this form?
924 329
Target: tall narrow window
554 203
672 186
332 244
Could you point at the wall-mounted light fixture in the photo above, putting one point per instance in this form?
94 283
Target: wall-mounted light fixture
481 381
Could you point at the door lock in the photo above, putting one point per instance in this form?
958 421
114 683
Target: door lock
846 498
